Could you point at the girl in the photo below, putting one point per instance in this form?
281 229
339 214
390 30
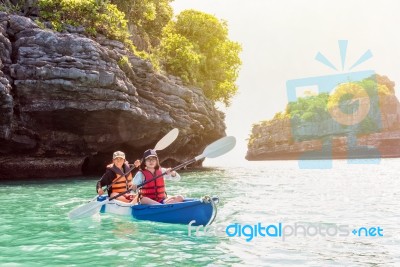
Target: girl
154 192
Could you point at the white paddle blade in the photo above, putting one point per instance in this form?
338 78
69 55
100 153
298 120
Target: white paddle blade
219 147
86 210
167 139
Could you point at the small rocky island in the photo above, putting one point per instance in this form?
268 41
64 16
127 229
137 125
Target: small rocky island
68 101
305 133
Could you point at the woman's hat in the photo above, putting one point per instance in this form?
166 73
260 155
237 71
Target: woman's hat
118 154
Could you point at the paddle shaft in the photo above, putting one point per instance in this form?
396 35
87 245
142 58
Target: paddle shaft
158 176
213 150
173 169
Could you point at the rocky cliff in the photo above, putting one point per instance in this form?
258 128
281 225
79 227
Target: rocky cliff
282 139
67 102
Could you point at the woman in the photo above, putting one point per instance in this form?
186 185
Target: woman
115 180
154 192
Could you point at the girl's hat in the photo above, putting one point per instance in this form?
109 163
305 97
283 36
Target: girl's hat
149 153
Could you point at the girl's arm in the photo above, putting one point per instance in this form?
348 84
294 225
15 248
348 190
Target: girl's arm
138 180
173 176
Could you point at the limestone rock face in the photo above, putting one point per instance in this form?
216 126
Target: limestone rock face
74 100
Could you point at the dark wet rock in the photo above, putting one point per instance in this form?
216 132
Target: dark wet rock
66 97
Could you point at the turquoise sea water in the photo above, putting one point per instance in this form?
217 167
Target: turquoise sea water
35 229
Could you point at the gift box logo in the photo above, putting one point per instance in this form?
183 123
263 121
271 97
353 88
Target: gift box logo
343 105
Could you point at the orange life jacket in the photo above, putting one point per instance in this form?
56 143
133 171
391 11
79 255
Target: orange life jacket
120 184
155 189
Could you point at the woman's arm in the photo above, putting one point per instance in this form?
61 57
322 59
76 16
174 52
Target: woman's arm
106 179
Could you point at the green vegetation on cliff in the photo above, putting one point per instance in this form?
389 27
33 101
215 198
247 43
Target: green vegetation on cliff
95 16
194 46
149 17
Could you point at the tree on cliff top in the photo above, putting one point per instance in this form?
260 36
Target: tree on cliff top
313 107
196 48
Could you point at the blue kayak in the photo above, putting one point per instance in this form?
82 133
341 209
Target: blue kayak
202 211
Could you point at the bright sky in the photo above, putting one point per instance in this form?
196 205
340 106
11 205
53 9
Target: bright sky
280 39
